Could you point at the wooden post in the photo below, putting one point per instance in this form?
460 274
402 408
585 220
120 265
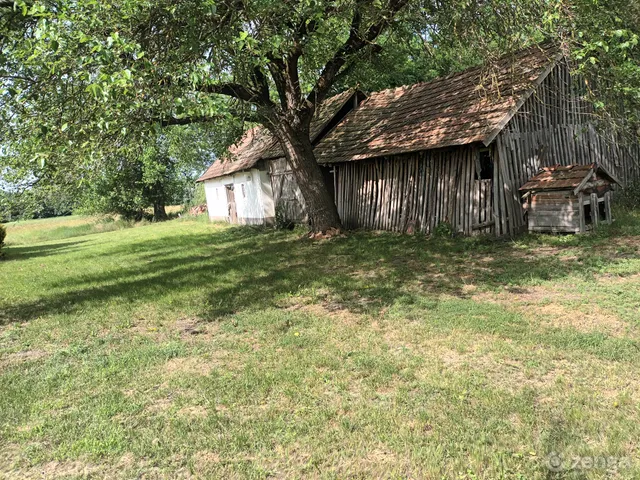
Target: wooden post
595 217
583 227
607 207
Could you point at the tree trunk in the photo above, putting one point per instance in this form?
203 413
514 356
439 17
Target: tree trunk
321 208
159 212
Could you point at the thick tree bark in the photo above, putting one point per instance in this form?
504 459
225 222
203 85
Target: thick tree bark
321 208
159 212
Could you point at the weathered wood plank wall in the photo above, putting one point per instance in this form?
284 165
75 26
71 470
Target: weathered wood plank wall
554 126
415 192
287 197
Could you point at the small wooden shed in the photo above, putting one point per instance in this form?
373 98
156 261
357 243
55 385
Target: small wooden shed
570 199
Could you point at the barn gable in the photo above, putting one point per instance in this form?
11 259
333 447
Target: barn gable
556 125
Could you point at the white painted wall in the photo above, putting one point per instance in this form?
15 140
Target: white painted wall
255 205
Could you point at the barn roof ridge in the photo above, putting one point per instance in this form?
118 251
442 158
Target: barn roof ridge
466 107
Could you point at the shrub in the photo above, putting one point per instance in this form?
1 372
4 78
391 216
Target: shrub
629 197
3 235
282 220
444 229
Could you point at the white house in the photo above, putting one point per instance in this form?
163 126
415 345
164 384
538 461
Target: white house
245 197
255 181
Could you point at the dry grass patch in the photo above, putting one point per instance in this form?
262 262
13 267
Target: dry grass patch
55 470
588 318
190 366
17 358
193 411
618 279
547 307
160 405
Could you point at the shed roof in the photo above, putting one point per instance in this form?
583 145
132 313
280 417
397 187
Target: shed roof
258 144
571 177
472 106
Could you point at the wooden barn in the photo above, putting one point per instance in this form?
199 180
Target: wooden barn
569 199
454 150
255 181
458 149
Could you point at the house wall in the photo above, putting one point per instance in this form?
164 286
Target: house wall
254 206
415 192
556 125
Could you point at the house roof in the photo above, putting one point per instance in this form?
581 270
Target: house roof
258 144
472 106
571 177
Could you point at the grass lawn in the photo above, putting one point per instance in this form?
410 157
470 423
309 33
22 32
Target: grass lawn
195 350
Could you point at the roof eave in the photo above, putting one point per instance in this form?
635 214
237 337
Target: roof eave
503 123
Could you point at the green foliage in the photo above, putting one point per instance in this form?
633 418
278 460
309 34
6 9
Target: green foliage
282 221
3 235
198 197
41 200
605 41
443 230
149 175
629 196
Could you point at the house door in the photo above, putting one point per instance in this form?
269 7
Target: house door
483 221
231 204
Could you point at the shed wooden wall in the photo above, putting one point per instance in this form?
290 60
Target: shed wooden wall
554 126
415 192
287 196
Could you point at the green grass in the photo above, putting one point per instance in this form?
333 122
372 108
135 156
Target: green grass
27 232
193 349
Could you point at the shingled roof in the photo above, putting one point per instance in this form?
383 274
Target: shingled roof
258 144
571 177
472 106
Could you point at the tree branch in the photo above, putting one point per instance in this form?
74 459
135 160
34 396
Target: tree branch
235 90
262 84
167 122
355 43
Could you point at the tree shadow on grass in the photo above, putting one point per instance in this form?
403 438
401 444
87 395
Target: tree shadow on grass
27 252
239 269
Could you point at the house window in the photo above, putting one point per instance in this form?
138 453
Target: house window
244 194
484 165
